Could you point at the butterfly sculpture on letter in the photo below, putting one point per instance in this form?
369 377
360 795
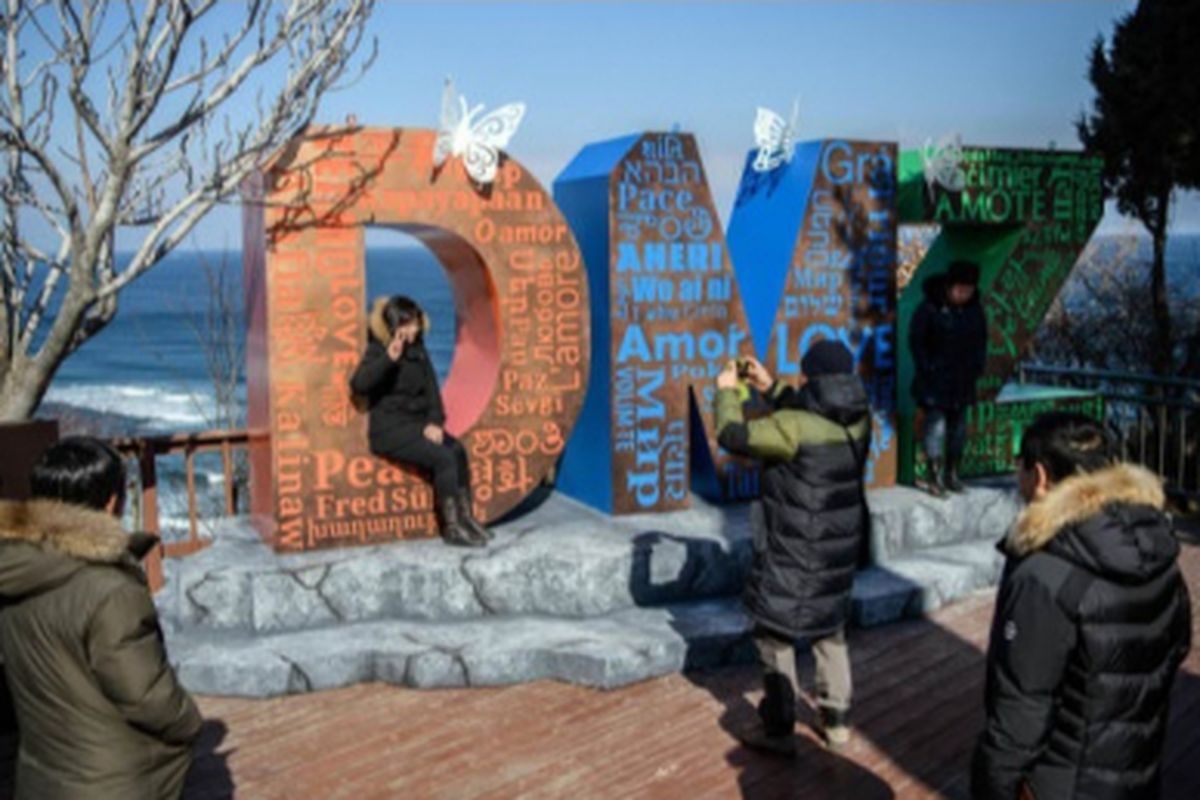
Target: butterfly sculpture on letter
775 137
943 164
478 143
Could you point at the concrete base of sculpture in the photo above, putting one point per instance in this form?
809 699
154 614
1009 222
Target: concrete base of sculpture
564 593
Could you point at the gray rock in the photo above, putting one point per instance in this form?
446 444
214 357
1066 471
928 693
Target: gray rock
437 669
209 593
984 559
997 513
292 600
880 597
419 584
562 560
906 521
604 652
232 668
564 593
948 573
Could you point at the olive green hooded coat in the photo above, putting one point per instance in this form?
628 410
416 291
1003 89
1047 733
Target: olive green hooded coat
100 712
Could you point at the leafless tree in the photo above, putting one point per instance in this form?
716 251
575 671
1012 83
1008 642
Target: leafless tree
1103 319
218 329
123 114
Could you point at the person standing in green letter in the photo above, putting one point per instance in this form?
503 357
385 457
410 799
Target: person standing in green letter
948 338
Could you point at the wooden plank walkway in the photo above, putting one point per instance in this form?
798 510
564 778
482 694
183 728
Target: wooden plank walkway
917 714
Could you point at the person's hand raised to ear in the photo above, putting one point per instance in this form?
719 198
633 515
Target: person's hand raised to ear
404 336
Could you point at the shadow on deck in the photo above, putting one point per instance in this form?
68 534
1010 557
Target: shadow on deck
916 715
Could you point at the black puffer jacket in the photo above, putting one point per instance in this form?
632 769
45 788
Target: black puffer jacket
1092 621
814 514
949 348
402 395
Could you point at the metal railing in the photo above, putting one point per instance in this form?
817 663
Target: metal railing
146 450
1156 419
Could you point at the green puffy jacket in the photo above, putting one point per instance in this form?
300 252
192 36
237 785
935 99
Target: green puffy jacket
814 513
101 714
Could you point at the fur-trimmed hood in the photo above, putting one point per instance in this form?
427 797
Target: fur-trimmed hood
378 327
1110 522
62 539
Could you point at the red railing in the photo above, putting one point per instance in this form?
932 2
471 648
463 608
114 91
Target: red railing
147 449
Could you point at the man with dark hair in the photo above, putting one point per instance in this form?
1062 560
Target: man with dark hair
1092 621
81 471
100 712
814 446
948 340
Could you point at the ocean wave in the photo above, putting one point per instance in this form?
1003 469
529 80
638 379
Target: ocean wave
155 407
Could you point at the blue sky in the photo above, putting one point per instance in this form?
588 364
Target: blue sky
1000 73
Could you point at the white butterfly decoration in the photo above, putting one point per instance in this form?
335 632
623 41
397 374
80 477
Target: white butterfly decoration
943 164
479 143
775 138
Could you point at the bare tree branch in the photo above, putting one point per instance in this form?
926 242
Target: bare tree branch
294 106
209 65
47 167
1103 316
54 274
157 153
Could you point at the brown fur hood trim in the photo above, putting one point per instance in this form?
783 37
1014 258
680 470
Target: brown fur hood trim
1079 497
379 328
68 529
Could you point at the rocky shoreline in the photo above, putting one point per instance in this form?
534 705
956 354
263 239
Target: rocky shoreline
80 421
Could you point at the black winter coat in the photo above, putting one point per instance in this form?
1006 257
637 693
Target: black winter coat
402 395
949 348
1092 621
814 510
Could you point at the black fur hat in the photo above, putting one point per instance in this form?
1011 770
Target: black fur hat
962 273
827 357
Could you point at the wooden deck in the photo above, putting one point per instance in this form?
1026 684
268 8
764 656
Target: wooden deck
917 714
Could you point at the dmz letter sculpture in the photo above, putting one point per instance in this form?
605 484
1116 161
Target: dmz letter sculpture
812 246
522 349
810 254
1024 216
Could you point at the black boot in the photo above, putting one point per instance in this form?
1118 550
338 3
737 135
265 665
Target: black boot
466 515
952 481
774 729
778 705
453 531
933 478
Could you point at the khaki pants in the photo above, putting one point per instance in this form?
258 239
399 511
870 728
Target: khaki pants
778 657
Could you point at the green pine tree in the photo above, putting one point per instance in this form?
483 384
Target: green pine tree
1145 123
